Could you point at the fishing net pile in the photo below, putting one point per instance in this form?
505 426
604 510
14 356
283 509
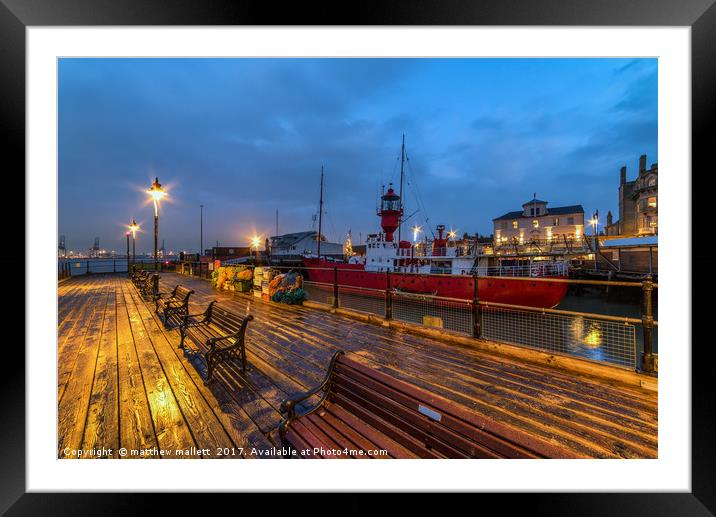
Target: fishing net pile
287 288
232 278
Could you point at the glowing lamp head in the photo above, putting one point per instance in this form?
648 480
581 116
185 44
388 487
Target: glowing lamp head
255 241
133 228
416 230
452 234
156 191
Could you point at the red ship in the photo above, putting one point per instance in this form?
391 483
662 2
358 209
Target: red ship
438 267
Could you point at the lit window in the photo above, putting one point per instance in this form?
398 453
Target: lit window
556 221
514 224
651 202
570 220
535 223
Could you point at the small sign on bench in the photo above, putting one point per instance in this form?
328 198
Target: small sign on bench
429 413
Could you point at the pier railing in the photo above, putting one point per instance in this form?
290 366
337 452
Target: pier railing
67 268
621 334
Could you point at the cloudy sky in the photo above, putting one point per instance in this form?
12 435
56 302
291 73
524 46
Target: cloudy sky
245 137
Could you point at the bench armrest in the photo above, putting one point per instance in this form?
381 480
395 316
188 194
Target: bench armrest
288 406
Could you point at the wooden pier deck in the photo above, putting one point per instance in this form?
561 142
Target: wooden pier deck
123 383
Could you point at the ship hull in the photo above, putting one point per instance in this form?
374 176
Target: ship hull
492 290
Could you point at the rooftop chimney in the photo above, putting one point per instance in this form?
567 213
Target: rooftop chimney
642 164
622 176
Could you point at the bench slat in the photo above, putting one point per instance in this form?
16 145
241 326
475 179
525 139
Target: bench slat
371 434
399 435
328 438
341 433
311 439
388 412
299 443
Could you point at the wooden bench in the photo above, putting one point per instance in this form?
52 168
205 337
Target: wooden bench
220 332
137 276
146 286
362 409
172 307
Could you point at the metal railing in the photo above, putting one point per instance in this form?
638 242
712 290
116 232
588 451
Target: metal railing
67 268
625 338
195 269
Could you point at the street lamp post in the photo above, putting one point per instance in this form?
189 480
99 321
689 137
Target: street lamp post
128 253
133 228
594 222
201 230
157 193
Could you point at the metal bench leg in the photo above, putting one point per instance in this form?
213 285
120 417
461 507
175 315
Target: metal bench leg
209 367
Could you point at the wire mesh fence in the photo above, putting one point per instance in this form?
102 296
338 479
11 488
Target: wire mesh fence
318 292
431 311
581 336
361 299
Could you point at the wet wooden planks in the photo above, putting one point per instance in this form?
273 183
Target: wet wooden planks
124 383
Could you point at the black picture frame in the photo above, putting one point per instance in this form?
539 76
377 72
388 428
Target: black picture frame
700 15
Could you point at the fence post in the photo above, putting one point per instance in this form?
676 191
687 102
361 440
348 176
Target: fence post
87 270
647 321
476 310
155 285
114 266
335 287
388 297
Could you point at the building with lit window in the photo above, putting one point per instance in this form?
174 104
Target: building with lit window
537 222
638 203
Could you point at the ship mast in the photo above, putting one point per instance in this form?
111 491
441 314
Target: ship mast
400 193
320 215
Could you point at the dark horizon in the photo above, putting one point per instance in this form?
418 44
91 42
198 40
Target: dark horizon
245 137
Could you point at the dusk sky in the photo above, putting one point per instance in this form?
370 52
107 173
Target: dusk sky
245 137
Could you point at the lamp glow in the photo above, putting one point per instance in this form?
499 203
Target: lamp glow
134 228
156 191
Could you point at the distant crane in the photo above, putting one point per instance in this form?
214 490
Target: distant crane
94 251
62 250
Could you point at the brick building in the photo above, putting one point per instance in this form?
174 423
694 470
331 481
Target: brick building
638 203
